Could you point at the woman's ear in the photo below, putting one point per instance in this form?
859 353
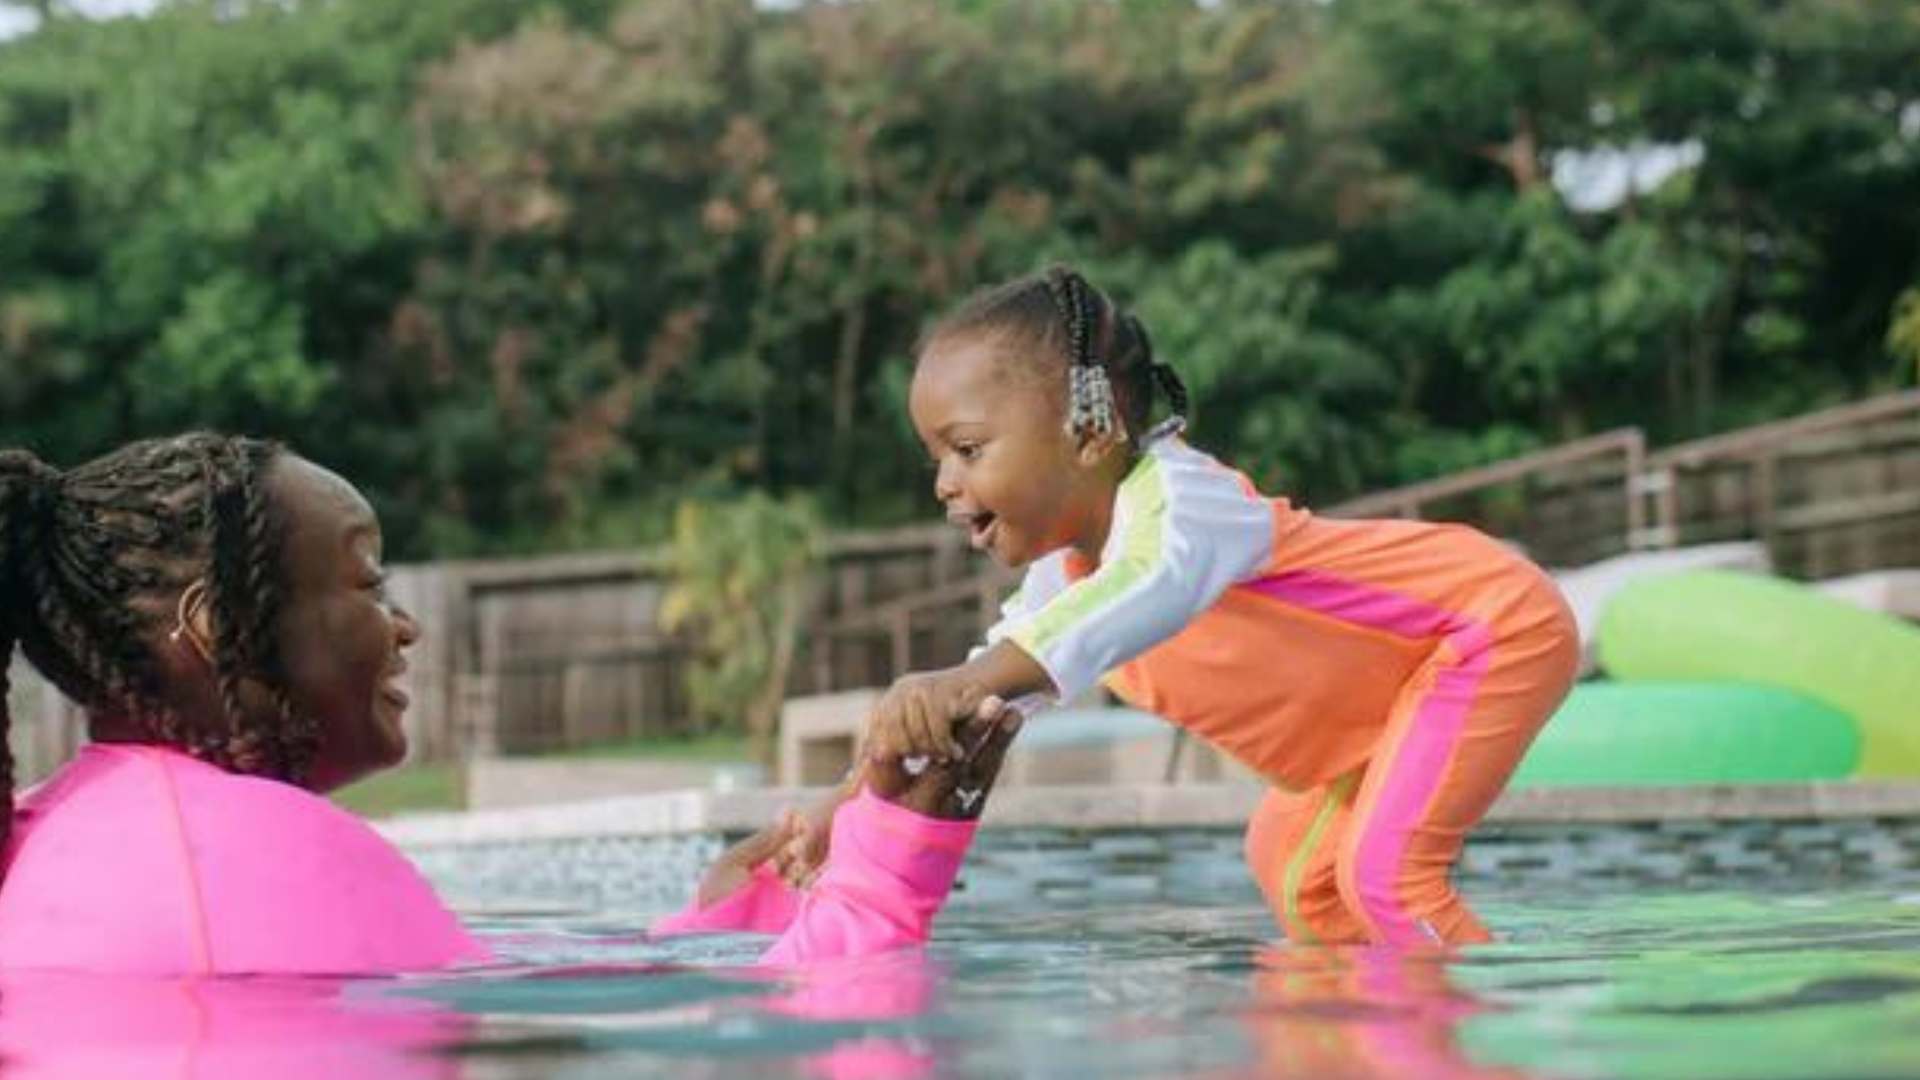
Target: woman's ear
193 622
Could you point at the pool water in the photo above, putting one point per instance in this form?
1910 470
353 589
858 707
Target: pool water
1592 980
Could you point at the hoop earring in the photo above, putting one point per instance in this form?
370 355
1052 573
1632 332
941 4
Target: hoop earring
192 598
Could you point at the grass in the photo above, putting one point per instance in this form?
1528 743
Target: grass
408 789
442 785
716 747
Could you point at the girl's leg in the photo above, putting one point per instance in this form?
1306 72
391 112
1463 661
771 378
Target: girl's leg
1290 847
1456 732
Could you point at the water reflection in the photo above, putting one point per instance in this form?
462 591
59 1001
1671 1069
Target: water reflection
68 1025
1591 983
1349 1011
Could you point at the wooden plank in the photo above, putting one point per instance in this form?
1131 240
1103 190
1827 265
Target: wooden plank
1783 433
966 590
1407 500
1853 511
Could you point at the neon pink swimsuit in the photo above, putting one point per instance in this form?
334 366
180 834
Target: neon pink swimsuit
142 860
890 871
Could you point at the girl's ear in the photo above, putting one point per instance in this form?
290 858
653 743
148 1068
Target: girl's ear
1092 448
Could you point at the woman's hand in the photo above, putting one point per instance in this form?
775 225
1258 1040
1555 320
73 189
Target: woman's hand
736 864
803 854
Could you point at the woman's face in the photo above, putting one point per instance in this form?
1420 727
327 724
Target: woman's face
341 638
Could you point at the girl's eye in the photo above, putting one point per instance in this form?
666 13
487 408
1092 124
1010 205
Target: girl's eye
967 451
378 586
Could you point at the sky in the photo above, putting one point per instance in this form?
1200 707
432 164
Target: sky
18 20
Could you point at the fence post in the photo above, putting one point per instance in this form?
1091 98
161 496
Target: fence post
479 705
900 623
1765 496
1636 447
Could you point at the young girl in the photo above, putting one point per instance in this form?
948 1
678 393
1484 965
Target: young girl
1385 677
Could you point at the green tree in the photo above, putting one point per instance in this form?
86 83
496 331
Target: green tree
535 274
742 584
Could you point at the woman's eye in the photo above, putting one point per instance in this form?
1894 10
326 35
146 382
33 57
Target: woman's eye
967 451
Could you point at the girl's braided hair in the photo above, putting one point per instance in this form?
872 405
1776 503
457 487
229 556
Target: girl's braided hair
1105 352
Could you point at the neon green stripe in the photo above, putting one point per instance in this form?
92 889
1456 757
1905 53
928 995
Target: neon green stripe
1302 855
1144 496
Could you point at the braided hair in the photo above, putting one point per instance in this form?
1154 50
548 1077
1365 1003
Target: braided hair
1105 353
92 563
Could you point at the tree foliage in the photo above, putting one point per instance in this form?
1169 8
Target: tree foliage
743 573
535 274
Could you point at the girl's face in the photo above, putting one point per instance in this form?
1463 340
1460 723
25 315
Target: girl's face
341 638
1006 470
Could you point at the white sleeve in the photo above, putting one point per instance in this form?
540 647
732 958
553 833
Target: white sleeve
1184 529
1044 580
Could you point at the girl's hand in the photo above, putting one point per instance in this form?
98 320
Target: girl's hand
915 717
954 790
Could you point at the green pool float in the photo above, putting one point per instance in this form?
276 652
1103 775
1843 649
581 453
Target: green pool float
1719 625
1631 734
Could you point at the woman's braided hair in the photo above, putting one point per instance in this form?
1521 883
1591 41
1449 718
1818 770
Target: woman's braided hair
1105 352
93 562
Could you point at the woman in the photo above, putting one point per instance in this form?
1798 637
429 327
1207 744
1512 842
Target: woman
216 604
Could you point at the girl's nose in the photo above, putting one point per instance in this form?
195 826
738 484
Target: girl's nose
946 485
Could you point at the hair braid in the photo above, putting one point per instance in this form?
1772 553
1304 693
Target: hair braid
75 643
1159 376
1090 405
226 592
117 541
248 606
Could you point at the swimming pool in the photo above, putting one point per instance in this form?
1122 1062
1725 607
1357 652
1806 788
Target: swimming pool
1594 979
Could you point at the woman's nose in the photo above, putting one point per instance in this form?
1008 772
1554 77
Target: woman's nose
406 628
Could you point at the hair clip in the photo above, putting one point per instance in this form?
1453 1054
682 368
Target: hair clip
1089 401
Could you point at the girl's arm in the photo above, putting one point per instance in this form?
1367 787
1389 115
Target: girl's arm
1185 528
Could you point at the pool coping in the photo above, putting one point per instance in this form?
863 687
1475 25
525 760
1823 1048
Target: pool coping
1134 806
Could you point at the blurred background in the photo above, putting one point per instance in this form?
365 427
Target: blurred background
608 305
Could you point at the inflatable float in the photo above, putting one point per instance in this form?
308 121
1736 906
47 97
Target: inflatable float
1725 626
1631 734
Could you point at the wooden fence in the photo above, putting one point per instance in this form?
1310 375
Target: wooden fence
532 655
1567 506
1831 492
527 655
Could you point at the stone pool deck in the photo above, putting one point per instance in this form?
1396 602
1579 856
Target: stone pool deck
1148 806
1083 844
